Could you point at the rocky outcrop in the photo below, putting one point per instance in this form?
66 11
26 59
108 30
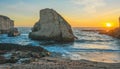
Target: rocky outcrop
12 53
58 63
5 24
13 32
52 26
114 33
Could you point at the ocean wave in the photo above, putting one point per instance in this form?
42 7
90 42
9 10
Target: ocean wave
92 50
87 42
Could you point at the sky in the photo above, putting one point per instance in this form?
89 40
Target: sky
78 13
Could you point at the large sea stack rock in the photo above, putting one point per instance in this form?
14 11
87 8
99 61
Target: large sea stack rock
5 24
52 26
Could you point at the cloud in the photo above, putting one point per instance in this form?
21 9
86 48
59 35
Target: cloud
90 6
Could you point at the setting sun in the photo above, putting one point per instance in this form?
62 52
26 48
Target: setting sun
108 25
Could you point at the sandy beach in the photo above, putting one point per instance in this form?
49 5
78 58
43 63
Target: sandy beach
56 63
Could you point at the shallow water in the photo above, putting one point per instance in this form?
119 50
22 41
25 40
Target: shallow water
90 46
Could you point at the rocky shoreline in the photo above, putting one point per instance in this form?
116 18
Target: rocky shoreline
113 33
32 57
14 53
50 26
57 63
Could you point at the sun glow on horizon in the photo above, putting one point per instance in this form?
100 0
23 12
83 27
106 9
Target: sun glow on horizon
108 24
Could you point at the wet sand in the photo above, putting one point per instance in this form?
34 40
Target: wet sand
57 63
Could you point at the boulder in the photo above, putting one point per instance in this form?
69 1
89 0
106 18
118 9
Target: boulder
13 32
5 24
52 26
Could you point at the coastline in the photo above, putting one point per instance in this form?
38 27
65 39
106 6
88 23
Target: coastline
56 63
15 53
47 62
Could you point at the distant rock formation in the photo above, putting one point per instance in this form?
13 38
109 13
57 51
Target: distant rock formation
13 32
5 24
114 33
52 26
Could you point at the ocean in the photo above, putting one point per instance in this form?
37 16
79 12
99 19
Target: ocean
89 46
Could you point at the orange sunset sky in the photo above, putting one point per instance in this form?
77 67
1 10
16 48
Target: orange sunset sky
79 13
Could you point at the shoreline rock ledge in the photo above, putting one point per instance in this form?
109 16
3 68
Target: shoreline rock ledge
52 26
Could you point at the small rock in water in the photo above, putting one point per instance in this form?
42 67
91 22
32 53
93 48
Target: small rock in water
13 32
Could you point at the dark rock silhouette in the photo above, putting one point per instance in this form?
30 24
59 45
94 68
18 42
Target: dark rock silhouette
52 26
114 32
20 52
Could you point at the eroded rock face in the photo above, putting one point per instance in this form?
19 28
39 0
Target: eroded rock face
52 26
5 24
